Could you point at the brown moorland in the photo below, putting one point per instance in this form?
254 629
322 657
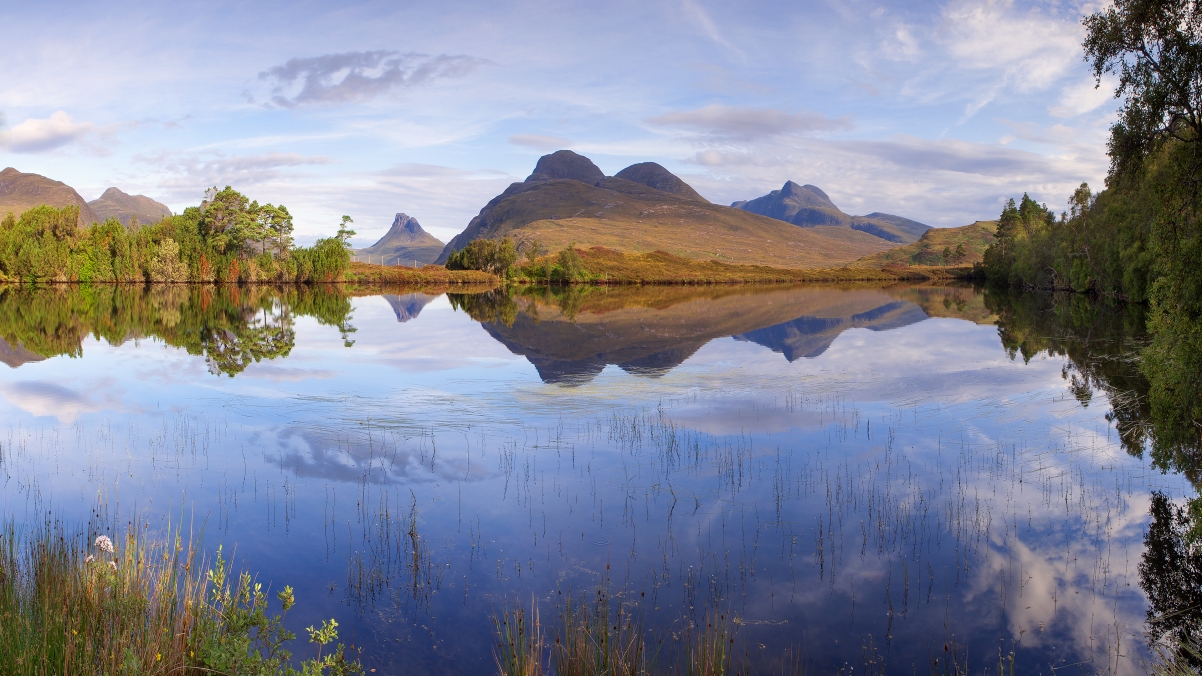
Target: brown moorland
928 250
608 266
367 273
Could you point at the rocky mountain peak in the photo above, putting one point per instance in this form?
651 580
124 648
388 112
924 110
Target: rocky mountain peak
566 164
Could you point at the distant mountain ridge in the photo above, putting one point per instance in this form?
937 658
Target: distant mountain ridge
124 207
643 208
20 192
808 206
405 243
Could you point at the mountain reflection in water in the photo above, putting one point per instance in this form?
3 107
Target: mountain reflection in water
978 470
570 336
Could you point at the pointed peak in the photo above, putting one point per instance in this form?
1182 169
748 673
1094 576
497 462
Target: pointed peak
407 223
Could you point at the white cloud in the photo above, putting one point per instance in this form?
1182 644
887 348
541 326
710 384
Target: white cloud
357 76
1031 49
1083 97
39 135
540 142
50 400
748 123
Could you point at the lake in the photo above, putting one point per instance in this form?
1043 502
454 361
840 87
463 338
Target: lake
866 478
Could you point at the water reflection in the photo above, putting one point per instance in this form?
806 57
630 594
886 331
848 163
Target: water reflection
571 335
231 327
865 473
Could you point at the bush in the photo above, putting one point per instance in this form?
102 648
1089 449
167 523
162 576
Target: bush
485 254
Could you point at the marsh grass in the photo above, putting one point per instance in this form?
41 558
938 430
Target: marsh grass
606 636
70 604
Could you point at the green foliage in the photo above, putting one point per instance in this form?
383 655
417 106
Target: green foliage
495 256
568 267
144 607
1155 47
1099 245
344 233
227 239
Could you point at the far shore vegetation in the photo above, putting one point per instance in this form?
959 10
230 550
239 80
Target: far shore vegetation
227 239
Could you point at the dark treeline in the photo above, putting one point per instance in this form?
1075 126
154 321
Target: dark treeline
230 326
1140 239
227 239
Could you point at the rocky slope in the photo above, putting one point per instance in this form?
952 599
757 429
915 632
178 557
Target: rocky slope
807 206
20 191
124 207
403 244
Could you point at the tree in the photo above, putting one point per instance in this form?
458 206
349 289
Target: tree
344 233
276 223
1155 47
226 217
485 254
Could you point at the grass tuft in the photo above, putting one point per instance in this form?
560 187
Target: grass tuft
72 604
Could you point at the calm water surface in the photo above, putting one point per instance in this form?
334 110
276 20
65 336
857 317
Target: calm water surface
862 475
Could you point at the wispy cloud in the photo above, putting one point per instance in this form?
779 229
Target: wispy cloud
186 175
40 135
540 142
358 76
749 123
707 25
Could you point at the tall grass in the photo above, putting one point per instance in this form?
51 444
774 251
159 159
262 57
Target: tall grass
603 636
71 604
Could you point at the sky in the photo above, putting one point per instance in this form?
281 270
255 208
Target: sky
934 111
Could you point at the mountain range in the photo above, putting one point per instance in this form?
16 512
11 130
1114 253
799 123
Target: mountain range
20 191
405 243
568 199
807 206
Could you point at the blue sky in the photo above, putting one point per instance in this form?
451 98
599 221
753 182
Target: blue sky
935 111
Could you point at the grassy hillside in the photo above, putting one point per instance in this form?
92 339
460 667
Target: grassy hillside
609 266
928 250
630 217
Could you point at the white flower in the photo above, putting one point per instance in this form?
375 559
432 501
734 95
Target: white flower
113 565
104 544
89 559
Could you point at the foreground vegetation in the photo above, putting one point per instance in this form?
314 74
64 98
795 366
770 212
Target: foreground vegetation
227 239
71 603
603 634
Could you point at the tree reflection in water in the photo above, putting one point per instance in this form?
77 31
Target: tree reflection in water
1103 344
231 327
